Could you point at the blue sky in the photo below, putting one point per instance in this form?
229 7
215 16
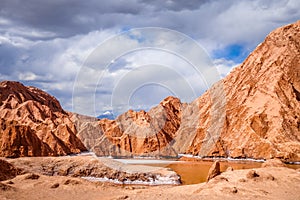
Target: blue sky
234 52
46 44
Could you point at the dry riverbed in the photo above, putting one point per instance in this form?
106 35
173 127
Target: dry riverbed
60 178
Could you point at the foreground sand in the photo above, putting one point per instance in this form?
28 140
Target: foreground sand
262 183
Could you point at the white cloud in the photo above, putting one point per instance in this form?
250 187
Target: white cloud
148 56
27 76
47 49
224 66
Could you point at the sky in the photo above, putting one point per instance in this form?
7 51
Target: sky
95 56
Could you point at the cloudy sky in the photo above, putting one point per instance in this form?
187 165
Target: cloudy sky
98 55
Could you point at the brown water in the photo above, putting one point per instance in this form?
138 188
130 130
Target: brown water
196 172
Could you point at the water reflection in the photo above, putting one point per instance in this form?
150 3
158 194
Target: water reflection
196 172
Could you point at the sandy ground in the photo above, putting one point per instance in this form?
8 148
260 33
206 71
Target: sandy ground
262 183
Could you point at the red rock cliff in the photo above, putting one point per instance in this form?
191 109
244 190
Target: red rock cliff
133 133
255 111
252 113
34 124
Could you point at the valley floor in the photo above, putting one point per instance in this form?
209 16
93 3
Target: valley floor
259 183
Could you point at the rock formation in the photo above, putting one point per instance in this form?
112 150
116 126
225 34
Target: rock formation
34 124
261 115
7 170
214 170
252 113
133 133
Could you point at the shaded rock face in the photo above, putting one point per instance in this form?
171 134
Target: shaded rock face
21 140
34 124
7 170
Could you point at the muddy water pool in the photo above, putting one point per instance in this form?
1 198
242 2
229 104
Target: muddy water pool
195 172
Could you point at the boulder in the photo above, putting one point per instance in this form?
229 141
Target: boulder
214 171
7 170
273 163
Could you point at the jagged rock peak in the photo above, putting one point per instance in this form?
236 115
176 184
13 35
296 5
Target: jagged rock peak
33 123
15 93
262 112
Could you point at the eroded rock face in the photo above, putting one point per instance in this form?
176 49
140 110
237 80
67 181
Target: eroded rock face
146 133
252 113
34 124
262 109
20 140
7 170
133 133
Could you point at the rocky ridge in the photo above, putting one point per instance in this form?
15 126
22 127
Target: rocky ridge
261 115
254 112
132 133
34 124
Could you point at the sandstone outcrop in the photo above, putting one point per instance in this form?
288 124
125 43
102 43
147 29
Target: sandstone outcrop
260 115
133 133
254 112
214 170
34 124
7 170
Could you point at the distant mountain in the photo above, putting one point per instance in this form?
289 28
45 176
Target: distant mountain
106 115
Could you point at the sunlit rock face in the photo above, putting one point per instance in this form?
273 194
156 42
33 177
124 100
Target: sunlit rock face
254 112
260 115
34 124
133 133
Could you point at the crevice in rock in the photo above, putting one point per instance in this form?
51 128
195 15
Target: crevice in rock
297 93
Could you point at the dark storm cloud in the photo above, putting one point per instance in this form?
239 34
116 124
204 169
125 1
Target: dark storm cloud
67 18
9 55
45 43
174 5
34 19
64 18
